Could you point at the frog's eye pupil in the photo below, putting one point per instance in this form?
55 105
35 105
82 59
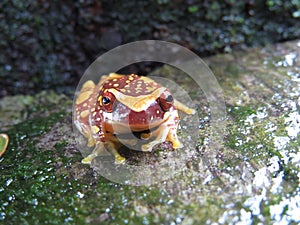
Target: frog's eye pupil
105 100
169 98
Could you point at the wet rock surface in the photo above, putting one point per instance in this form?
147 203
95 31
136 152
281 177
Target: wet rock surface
253 178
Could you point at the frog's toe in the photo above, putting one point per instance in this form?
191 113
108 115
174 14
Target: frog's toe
119 159
88 159
177 144
146 148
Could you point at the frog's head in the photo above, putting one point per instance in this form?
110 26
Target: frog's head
133 102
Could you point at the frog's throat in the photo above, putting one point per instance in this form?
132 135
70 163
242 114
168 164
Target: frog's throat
138 103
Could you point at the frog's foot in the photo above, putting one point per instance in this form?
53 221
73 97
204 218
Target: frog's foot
119 159
176 144
89 159
172 137
114 150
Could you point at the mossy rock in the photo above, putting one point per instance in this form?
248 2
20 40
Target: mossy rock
254 177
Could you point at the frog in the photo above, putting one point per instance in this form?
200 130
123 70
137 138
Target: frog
132 105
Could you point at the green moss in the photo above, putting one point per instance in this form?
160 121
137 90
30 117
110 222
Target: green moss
32 192
239 113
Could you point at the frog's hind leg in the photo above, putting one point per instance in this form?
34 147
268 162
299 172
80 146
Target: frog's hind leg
182 107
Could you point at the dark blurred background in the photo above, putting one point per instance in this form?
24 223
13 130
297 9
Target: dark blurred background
49 44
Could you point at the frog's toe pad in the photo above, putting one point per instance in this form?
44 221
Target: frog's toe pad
177 144
146 148
119 159
88 159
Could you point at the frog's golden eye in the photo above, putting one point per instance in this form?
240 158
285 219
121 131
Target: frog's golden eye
108 100
166 101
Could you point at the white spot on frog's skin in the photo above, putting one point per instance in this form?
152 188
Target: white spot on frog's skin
157 111
107 116
116 85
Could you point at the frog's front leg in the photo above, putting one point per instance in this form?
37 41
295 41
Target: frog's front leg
98 150
114 146
173 138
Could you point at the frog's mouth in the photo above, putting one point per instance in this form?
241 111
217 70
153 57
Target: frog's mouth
121 128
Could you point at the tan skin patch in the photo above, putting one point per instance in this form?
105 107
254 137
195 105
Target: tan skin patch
138 103
84 113
83 97
88 85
